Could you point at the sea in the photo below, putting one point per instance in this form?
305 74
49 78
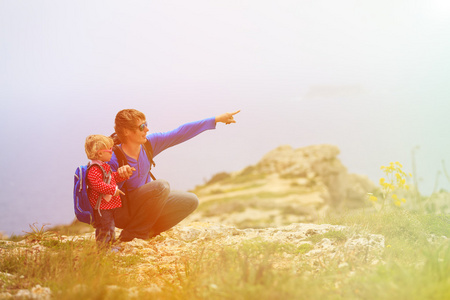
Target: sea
24 207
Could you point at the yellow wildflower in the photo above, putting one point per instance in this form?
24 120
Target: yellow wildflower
371 197
391 167
394 179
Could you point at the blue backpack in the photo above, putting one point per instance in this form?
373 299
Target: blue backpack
83 209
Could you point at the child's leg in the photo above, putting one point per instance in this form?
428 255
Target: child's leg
112 225
104 233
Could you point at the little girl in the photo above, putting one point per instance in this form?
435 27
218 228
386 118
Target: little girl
104 195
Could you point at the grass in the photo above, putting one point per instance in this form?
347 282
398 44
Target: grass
414 268
72 270
416 265
405 231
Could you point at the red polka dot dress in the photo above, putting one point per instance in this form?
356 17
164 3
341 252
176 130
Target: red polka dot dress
97 186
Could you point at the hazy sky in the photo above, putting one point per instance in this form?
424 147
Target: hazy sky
371 77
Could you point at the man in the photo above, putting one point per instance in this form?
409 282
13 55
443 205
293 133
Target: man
149 206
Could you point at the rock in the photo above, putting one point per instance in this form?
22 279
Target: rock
286 186
42 293
319 246
6 295
321 163
26 294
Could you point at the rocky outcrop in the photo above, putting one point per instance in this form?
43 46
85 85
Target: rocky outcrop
318 164
287 185
312 246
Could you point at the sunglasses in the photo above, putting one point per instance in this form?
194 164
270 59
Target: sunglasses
143 126
105 150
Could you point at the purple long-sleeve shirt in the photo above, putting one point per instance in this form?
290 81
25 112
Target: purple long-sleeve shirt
160 141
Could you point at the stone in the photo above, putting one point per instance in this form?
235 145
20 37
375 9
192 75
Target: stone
286 186
166 254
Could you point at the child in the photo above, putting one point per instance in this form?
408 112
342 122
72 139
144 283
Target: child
103 194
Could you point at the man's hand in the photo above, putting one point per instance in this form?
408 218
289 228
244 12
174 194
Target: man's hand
125 171
226 118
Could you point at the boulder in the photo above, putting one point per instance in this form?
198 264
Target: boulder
286 186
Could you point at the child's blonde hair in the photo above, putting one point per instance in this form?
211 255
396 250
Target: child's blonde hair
97 142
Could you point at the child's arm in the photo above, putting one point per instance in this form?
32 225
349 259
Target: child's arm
118 193
95 182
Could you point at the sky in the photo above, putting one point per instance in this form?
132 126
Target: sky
371 77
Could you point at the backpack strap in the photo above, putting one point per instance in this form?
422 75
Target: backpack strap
106 175
106 178
149 151
122 160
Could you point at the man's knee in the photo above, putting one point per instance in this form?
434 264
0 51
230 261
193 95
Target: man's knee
162 183
193 201
162 186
